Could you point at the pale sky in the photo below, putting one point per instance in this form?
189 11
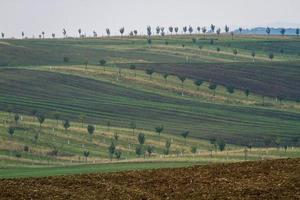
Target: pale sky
51 16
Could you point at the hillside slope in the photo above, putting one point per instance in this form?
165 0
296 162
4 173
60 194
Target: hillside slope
209 58
102 102
278 79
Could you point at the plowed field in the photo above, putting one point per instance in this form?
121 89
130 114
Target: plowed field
273 179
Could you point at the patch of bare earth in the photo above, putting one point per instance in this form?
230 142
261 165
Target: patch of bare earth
272 179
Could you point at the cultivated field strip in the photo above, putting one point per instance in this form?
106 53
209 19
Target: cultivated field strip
102 102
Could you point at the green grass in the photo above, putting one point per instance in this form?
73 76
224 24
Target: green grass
19 171
80 169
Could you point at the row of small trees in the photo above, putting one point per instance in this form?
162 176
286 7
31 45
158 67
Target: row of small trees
198 82
160 30
112 149
150 71
211 86
40 119
218 49
141 148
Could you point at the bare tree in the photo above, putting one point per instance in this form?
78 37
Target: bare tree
122 29
132 126
182 79
268 30
171 29
191 30
162 31
157 30
184 29
282 32
212 28
108 32
65 33
79 32
149 31
184 135
198 83
213 87
235 52
94 33
218 31
166 77
253 55
204 31
240 30
271 56
226 28
176 30
86 155
150 150
90 129
150 71
159 130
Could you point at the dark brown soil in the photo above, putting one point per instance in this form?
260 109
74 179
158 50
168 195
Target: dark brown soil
274 179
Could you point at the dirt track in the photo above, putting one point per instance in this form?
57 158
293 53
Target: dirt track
276 179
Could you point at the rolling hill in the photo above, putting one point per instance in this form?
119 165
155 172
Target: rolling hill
45 77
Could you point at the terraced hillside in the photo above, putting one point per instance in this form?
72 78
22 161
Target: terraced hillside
24 90
277 79
199 57
49 148
136 49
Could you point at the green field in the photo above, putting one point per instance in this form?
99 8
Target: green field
35 77
80 169
135 50
190 61
100 101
